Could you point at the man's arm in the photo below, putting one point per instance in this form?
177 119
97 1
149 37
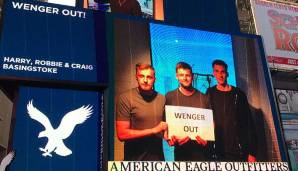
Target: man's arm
173 140
206 105
248 126
124 132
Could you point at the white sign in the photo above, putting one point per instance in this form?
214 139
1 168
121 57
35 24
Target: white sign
190 121
278 25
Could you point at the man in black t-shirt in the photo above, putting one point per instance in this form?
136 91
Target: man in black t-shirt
186 95
235 136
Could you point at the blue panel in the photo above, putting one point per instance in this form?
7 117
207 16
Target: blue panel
215 15
55 104
65 35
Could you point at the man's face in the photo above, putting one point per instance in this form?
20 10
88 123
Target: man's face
185 77
220 74
146 79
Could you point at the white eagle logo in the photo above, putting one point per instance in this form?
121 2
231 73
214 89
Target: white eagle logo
66 127
7 160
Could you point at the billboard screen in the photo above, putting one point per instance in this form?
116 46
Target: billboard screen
181 69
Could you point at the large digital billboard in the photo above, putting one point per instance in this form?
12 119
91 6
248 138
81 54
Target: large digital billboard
190 72
178 97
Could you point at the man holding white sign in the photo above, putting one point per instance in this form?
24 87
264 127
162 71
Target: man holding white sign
189 122
235 137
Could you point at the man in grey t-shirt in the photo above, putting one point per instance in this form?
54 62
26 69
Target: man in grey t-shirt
139 118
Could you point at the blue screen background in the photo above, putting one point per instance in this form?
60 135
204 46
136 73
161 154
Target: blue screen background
170 45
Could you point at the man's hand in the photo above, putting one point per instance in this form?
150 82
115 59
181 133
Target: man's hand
162 126
183 140
251 158
201 141
174 139
165 135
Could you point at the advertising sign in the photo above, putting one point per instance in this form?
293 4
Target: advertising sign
48 41
185 67
277 23
57 129
287 101
290 127
190 121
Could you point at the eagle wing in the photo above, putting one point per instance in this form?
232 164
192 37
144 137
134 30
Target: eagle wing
7 160
35 114
71 119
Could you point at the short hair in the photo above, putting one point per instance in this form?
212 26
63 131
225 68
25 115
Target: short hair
183 65
141 66
220 62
